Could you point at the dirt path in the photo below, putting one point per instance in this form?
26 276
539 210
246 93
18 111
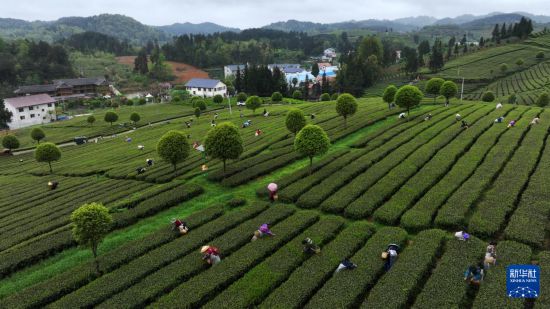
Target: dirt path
182 71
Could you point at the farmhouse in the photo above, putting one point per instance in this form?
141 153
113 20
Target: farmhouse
30 110
231 70
62 88
203 87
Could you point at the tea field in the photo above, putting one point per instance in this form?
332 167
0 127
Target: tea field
384 180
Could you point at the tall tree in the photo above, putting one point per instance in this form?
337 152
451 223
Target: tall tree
423 49
389 95
436 57
37 134
315 69
5 115
411 59
90 224
295 120
238 80
433 86
496 33
141 62
449 90
450 47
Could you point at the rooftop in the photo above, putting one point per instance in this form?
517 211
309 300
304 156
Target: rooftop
30 100
234 67
202 83
81 81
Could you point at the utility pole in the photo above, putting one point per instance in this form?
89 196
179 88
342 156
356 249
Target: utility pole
462 90
229 103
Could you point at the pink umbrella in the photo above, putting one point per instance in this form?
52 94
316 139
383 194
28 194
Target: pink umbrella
272 187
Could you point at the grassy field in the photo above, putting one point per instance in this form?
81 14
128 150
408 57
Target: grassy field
384 180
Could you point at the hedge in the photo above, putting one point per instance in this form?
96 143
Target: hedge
492 212
351 286
426 167
147 264
408 273
51 289
328 186
369 189
453 213
528 223
263 168
170 276
544 298
445 288
50 243
292 192
421 215
310 276
196 291
288 181
397 126
257 283
241 165
492 290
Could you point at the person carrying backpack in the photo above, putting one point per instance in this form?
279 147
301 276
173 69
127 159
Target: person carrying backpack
211 254
391 255
262 231
310 247
181 226
345 264
474 275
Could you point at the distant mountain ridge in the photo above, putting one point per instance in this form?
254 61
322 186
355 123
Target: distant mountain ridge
190 28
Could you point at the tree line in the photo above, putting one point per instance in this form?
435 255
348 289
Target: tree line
258 46
24 62
521 30
89 42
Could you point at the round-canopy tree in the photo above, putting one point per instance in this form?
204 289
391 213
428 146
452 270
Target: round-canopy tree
408 96
433 86
217 99
311 141
503 68
488 96
449 90
543 99
241 97
134 117
512 99
10 142
199 103
173 147
224 142
334 97
253 103
197 112
346 106
91 223
295 120
276 96
47 152
325 97
389 95
37 134
110 117
519 62
297 94
91 120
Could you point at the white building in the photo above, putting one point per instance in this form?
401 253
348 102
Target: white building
330 53
203 87
231 70
30 110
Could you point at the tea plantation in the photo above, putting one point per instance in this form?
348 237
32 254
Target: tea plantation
412 182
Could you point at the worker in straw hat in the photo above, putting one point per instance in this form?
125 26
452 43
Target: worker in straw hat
211 254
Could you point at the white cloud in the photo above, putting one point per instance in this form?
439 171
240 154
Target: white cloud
256 13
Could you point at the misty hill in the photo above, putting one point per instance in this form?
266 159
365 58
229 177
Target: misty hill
370 24
190 28
119 26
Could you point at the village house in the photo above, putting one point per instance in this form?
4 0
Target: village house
283 66
203 87
30 110
231 70
62 89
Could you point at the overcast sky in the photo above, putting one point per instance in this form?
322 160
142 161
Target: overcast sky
256 13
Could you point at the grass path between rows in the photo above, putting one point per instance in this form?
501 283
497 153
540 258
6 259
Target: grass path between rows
214 194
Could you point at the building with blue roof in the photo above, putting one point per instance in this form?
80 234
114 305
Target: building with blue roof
204 87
